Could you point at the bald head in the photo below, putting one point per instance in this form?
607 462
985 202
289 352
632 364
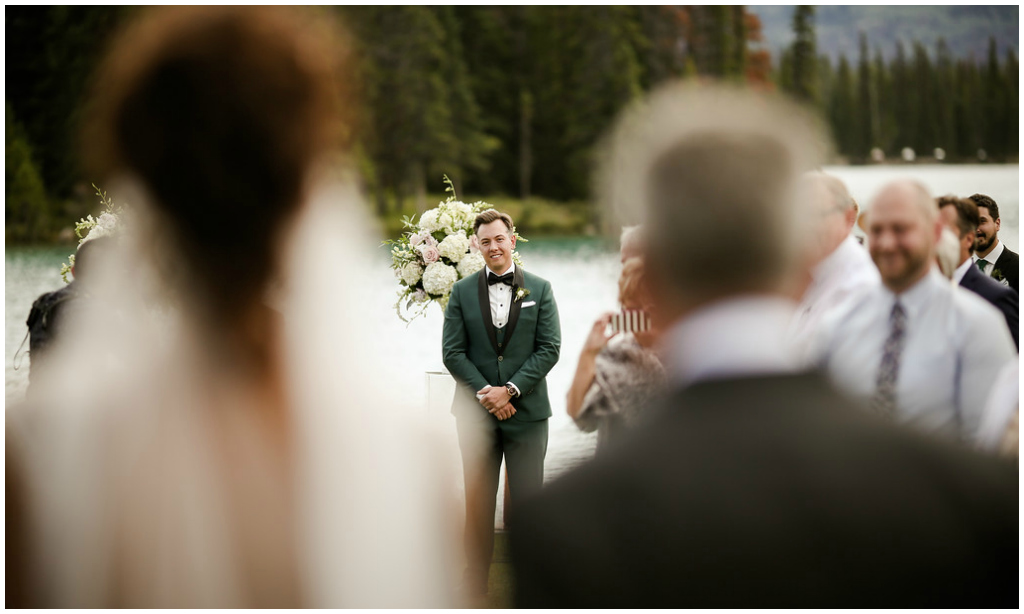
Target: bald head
903 230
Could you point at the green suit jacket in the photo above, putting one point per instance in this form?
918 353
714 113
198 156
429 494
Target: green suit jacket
476 358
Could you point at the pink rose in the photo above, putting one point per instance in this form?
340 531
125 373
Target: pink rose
430 240
429 253
474 245
416 239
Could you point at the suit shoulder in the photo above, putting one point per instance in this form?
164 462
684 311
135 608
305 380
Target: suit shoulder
466 281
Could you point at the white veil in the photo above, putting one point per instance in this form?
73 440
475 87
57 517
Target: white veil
153 481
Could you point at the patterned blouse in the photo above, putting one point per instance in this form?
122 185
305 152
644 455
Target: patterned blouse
626 378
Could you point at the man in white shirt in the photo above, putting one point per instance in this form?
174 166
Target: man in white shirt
918 349
753 484
991 256
841 266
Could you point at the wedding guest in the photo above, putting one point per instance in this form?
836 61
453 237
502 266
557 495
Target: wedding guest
991 256
840 265
961 217
754 484
920 351
228 453
947 253
618 374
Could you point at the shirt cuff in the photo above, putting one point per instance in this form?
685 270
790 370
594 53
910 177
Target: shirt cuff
516 388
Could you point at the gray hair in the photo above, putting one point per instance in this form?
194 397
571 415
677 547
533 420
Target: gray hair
715 166
836 189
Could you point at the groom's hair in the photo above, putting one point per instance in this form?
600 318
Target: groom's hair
490 215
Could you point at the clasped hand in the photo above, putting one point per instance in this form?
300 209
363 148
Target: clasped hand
495 400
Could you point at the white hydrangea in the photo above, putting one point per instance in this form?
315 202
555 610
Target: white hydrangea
454 246
107 221
447 222
411 273
428 221
471 263
439 278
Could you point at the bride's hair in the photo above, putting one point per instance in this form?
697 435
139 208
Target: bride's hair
222 112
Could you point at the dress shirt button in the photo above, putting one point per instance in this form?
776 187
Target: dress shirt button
499 358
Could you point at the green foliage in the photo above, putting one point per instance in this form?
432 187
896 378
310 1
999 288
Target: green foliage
26 204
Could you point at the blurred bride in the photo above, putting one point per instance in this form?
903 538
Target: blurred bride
219 432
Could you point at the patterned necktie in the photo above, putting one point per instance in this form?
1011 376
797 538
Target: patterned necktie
884 400
982 263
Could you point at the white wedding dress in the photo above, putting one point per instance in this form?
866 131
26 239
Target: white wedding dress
152 481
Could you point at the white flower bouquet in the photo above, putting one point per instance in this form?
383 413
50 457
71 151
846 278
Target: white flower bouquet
436 252
89 228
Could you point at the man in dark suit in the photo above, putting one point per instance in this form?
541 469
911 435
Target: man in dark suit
991 256
754 484
961 216
501 338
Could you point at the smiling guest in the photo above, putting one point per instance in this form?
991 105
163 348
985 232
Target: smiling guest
920 350
501 338
992 257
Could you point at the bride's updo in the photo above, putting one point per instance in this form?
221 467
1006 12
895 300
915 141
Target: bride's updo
222 112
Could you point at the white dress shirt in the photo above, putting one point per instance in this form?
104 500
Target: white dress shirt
500 296
993 255
736 337
845 271
955 345
1003 403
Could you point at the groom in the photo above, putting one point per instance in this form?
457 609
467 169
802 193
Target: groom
501 337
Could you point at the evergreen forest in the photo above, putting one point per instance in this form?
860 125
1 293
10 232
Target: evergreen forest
511 101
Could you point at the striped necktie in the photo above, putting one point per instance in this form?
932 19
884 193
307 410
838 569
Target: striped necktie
884 399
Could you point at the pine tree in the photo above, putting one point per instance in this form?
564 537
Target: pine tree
803 56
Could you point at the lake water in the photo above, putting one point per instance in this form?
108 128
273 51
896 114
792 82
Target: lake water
583 273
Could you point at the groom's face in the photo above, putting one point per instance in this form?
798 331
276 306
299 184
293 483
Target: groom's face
496 245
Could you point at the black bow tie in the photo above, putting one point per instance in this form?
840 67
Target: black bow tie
499 279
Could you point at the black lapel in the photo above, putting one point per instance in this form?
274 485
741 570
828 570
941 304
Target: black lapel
517 306
485 309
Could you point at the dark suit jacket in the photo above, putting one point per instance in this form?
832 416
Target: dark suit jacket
1004 298
771 492
475 357
1008 267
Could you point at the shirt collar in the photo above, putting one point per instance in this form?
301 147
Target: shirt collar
835 260
958 274
735 337
993 255
511 269
915 298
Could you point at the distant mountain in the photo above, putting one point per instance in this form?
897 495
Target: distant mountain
965 28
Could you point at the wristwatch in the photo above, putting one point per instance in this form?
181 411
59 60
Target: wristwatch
511 390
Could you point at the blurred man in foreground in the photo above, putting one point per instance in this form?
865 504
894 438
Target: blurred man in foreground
961 216
920 351
754 484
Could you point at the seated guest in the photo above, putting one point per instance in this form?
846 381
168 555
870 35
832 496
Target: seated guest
919 350
752 483
961 216
618 374
841 266
991 256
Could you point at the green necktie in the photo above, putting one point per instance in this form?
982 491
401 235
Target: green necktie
982 263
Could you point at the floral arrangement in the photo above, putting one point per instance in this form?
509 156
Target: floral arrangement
436 252
88 228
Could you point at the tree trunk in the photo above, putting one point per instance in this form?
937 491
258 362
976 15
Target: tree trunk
525 144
